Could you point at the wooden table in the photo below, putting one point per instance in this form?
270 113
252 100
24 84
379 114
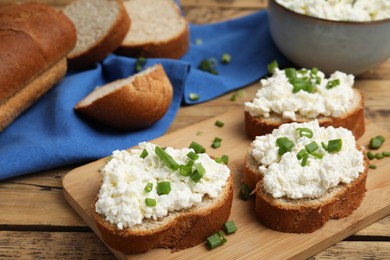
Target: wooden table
37 223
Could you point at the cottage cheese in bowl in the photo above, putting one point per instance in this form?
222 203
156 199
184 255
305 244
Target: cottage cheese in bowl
341 10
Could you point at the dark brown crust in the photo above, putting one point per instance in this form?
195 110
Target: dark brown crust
106 44
35 39
293 217
188 229
172 48
134 106
354 121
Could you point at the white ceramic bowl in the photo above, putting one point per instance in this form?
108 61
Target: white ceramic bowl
351 47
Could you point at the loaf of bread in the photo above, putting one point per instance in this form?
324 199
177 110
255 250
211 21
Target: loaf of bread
35 40
332 101
132 103
158 30
183 217
101 26
300 188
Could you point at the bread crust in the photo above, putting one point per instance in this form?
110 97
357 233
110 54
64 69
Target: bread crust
136 105
104 45
353 120
307 215
186 228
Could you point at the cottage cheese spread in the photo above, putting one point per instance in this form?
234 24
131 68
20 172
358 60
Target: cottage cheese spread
285 176
276 95
121 198
341 10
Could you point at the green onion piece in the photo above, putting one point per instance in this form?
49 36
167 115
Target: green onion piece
190 163
291 73
222 237
216 145
194 96
196 176
198 41
197 147
226 58
272 66
150 202
381 137
193 156
379 156
372 166
163 187
314 71
208 65
317 155
386 154
318 80
229 227
218 160
304 159
139 64
234 97
302 71
144 154
301 154
334 145
200 168
301 84
166 158
217 139
313 146
214 241
370 155
148 187
305 132
375 143
324 146
245 192
225 159
285 145
219 123
185 170
333 83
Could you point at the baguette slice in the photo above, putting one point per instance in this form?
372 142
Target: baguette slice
353 120
179 230
101 27
158 30
132 103
307 215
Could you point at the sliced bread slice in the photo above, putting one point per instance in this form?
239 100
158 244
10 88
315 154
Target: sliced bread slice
101 26
158 30
352 120
132 103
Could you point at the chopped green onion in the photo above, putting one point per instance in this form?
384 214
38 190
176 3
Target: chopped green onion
302 71
148 187
305 132
139 64
218 160
376 142
150 202
200 168
198 41
194 96
245 192
379 156
372 166
144 154
225 159
370 155
272 66
226 58
301 84
193 156
313 146
185 170
166 158
334 145
230 227
197 147
301 153
317 155
386 154
208 65
318 80
196 176
216 143
190 163
291 73
222 237
333 83
233 97
314 71
285 145
304 159
214 241
219 123
163 187
324 146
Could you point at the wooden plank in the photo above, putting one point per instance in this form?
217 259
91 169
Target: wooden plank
252 240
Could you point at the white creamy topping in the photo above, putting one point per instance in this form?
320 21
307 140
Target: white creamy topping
285 176
121 198
341 10
276 95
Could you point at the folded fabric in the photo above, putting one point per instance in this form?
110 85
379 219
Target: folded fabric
50 134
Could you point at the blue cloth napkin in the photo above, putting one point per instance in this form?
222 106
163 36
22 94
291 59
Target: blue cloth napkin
50 134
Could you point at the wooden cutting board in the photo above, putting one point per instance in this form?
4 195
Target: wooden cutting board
252 239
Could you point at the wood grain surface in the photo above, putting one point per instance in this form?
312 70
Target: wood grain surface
37 223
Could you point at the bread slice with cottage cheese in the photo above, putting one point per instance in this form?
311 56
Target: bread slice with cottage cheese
179 229
263 119
290 197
